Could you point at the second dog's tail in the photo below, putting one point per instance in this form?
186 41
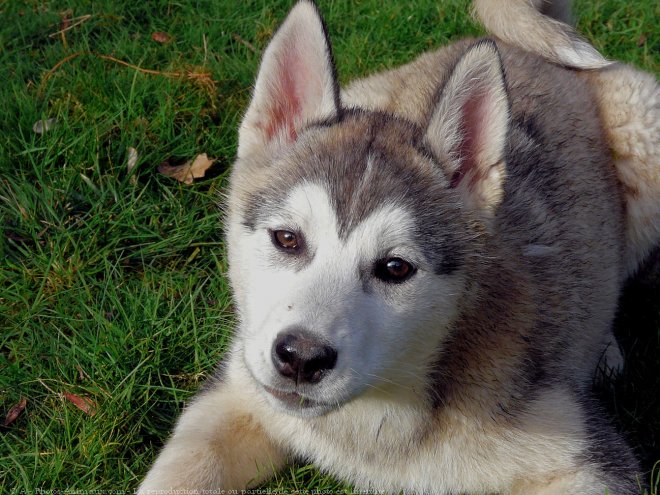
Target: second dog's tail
529 24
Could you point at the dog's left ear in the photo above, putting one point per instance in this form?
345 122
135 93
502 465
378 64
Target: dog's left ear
296 84
469 126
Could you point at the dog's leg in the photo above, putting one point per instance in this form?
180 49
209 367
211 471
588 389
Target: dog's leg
570 483
218 443
571 449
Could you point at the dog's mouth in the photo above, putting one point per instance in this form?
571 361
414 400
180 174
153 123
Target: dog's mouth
294 403
292 399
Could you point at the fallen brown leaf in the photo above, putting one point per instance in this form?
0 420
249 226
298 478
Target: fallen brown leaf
85 404
641 41
160 37
65 19
188 171
15 411
81 373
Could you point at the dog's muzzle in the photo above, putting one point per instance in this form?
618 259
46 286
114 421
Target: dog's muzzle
301 357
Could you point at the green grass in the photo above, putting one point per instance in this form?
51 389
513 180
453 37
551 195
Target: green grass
112 284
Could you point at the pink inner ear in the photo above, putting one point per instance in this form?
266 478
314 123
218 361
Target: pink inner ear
474 113
286 105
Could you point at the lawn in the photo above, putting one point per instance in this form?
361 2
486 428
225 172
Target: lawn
114 304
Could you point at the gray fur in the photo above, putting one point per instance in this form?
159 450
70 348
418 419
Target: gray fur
496 170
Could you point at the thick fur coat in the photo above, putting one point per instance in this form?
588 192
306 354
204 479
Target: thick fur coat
426 267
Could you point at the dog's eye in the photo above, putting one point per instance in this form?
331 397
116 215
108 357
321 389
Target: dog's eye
286 240
394 270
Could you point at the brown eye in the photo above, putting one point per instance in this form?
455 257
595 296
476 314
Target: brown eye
394 270
286 240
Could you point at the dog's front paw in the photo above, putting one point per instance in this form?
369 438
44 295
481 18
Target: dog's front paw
180 470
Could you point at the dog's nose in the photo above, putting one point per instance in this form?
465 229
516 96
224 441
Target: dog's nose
301 357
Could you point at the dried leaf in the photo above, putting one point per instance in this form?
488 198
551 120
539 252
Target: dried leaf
188 171
160 37
131 161
641 41
15 411
42 126
69 23
85 404
242 41
81 373
65 17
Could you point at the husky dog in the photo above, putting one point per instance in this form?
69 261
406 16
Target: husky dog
426 267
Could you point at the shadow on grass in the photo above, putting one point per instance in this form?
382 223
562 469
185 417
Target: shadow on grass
634 398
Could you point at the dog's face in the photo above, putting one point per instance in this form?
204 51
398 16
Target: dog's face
348 263
351 232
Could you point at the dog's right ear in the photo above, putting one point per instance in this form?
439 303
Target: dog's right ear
296 84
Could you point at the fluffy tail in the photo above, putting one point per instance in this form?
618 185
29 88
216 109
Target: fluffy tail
532 25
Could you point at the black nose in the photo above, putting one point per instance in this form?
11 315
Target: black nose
302 357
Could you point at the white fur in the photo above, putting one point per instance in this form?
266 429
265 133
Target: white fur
462 455
327 297
363 441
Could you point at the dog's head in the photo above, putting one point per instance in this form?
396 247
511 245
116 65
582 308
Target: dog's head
351 232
